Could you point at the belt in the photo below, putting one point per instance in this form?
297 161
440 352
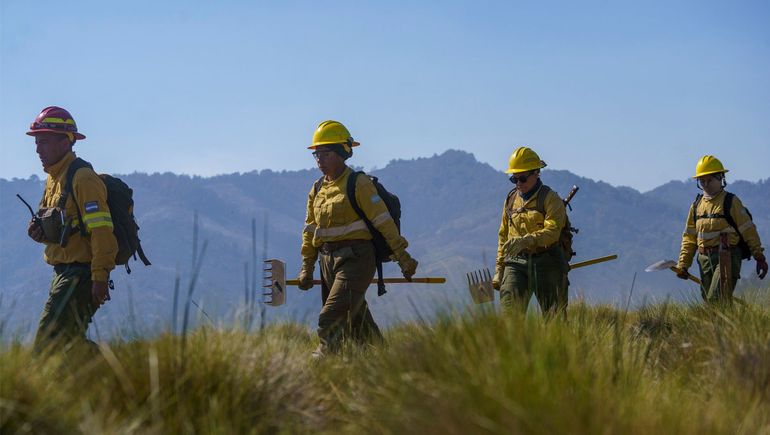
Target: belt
712 249
61 267
537 251
329 247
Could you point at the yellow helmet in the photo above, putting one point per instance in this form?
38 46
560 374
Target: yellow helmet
523 160
708 165
332 132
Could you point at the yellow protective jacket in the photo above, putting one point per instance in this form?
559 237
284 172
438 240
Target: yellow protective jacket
525 220
704 232
99 246
331 218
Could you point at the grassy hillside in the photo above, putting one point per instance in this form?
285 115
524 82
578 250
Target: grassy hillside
662 369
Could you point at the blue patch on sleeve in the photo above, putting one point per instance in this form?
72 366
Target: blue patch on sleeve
375 199
92 207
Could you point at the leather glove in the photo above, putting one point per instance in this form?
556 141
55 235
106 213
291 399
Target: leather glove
761 266
682 272
514 246
34 231
497 279
407 264
305 277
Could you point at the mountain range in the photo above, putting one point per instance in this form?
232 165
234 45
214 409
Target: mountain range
451 212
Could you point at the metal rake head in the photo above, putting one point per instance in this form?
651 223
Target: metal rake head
480 286
275 274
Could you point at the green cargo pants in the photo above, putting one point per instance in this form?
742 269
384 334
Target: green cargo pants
346 274
68 310
543 274
709 275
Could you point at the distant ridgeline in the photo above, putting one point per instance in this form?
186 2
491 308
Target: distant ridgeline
451 213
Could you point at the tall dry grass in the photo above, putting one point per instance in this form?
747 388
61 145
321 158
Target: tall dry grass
661 369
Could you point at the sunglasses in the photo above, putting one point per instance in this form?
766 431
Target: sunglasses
322 154
520 179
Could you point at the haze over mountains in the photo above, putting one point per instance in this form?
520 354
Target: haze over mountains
451 213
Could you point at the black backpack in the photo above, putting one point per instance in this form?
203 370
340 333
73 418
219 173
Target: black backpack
392 203
567 231
121 204
727 205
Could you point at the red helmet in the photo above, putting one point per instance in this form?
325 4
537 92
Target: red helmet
55 120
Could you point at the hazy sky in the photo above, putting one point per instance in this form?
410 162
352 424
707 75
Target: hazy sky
627 92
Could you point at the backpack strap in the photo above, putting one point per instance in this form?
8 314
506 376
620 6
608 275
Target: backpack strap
540 206
509 203
727 207
317 185
351 192
695 203
68 190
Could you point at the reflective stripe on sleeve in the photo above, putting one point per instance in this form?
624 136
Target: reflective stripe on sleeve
381 219
309 228
97 220
341 230
745 226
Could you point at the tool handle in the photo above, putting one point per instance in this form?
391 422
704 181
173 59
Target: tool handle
594 261
689 276
571 194
430 280
296 282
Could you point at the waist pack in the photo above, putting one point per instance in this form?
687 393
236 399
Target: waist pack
727 206
121 204
567 231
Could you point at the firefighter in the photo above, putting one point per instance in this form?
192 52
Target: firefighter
336 236
529 256
82 256
717 218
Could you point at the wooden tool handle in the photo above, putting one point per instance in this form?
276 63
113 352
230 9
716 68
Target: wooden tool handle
690 277
431 280
594 261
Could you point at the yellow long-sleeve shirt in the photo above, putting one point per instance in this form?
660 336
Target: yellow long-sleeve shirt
331 218
99 246
527 221
705 231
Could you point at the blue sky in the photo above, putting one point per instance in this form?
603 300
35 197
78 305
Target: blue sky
631 93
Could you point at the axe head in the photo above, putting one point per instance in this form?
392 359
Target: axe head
480 286
275 273
661 265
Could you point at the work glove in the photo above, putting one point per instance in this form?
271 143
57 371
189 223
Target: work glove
305 277
514 246
34 231
682 272
407 264
497 279
761 266
100 292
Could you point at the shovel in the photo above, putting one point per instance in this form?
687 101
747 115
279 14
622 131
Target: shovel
275 272
671 265
480 281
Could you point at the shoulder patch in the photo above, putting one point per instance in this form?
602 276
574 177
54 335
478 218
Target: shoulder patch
375 199
92 207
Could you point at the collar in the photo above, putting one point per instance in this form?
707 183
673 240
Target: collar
531 193
711 198
61 166
345 172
